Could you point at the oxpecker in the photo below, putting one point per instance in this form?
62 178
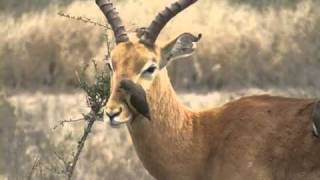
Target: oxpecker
135 97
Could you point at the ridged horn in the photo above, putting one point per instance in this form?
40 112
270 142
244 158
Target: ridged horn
152 32
114 20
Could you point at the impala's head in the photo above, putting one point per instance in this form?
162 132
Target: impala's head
135 64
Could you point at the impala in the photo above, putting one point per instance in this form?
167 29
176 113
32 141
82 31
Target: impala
253 138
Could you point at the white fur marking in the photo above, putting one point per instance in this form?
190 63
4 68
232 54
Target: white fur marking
315 130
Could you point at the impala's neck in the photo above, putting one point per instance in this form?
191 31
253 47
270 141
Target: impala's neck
167 112
173 138
166 109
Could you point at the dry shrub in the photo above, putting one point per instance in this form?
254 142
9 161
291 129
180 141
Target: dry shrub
242 46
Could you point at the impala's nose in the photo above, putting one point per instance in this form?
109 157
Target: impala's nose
113 113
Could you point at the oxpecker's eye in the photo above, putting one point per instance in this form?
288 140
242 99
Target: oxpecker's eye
150 70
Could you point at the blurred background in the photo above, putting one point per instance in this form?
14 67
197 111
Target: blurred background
248 47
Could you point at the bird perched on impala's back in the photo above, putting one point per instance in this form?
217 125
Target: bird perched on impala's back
135 97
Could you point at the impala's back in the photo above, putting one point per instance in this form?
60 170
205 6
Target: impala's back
265 137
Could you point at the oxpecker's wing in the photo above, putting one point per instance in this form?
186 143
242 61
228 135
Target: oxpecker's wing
139 102
137 97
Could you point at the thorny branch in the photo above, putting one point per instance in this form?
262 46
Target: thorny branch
34 166
63 160
61 123
97 95
83 19
90 21
81 143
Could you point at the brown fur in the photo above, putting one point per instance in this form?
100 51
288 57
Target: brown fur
254 138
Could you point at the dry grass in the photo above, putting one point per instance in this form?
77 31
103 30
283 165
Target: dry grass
242 45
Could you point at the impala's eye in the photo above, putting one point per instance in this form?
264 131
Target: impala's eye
150 70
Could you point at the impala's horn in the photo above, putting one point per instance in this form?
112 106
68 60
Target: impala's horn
151 33
114 20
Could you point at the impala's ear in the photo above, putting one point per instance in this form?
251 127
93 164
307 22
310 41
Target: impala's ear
181 47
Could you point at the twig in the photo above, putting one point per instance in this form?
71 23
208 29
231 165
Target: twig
34 166
61 123
90 21
83 19
62 159
81 143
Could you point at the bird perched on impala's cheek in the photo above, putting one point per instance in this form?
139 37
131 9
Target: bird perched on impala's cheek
135 97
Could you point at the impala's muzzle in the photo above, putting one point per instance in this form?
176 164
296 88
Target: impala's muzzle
117 114
127 101
113 115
